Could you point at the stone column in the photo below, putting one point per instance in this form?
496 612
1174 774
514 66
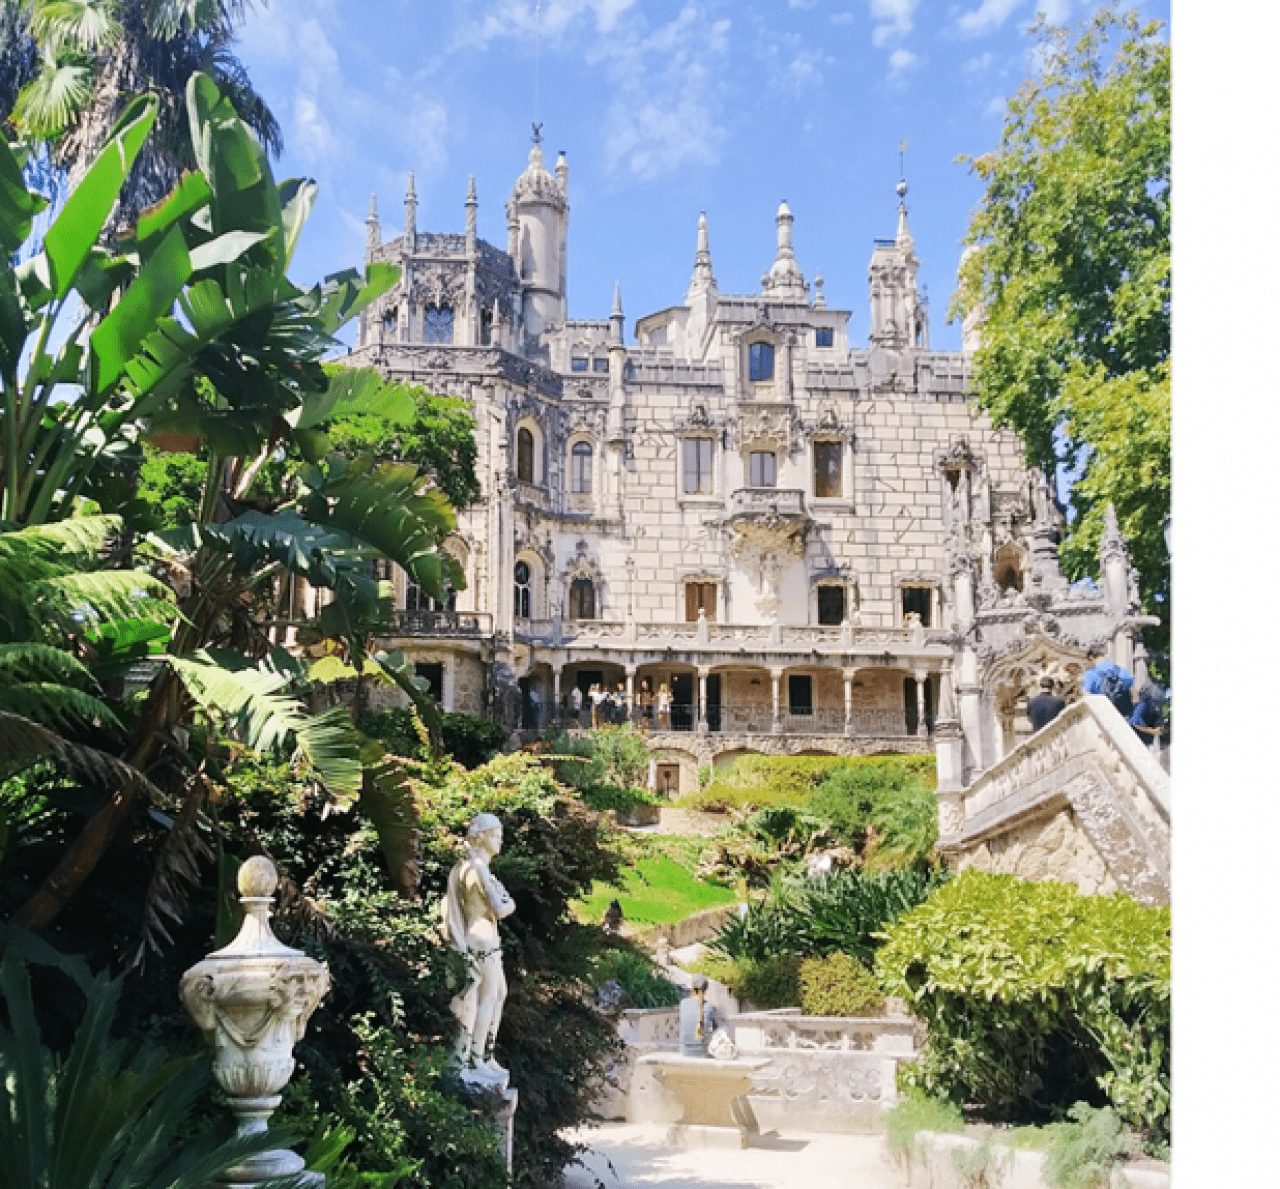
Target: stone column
776 676
949 741
630 671
556 670
848 701
703 672
922 727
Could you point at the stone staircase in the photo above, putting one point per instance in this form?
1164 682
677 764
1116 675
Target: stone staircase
1082 801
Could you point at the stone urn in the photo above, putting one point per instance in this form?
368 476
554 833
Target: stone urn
252 1000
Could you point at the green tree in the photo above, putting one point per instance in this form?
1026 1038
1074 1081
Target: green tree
77 64
1070 274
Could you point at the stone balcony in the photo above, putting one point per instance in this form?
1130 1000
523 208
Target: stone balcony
468 624
785 503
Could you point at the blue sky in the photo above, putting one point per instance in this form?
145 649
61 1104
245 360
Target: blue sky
664 109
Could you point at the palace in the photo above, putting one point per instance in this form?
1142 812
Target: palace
815 546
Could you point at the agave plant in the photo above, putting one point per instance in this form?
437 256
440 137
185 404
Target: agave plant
107 1115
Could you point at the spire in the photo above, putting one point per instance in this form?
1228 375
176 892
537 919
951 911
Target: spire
471 208
562 173
785 280
372 228
615 318
410 209
904 232
703 279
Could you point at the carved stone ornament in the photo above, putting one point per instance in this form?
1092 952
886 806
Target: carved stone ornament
252 1000
765 546
771 423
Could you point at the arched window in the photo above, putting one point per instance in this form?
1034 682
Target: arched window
437 324
524 455
582 599
580 471
1008 569
524 590
389 322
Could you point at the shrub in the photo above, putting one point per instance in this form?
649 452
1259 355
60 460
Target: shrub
606 797
644 984
1036 996
886 812
467 738
840 912
768 983
839 985
916 1112
1080 1154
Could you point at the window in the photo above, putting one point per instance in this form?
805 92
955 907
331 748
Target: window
599 365
831 605
524 455
437 324
388 322
699 596
578 364
524 590
432 672
800 693
824 336
760 361
580 470
697 466
764 468
827 461
414 599
918 599
582 599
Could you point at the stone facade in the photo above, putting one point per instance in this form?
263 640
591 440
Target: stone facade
817 546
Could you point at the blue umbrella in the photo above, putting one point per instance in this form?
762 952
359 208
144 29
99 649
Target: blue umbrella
1105 676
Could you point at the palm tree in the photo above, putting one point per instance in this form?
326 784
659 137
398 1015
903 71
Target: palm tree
82 61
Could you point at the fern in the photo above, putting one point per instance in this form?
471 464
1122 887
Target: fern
24 743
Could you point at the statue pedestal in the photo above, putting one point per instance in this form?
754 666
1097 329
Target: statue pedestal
499 1101
708 1098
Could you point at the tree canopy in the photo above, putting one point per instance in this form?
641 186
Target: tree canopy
1069 273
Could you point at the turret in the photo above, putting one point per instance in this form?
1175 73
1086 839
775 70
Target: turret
898 313
617 366
538 226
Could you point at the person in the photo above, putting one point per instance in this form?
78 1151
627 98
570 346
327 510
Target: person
575 703
645 700
474 903
664 706
597 696
1045 706
1112 682
535 707
619 702
1147 719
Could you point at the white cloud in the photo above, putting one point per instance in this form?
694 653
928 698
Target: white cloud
519 19
842 18
900 63
976 67
997 107
805 70
1055 11
665 112
986 18
895 20
800 3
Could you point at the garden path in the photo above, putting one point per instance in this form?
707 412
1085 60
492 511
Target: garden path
634 1156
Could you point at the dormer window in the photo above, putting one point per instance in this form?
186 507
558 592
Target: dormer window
600 365
824 336
578 364
760 361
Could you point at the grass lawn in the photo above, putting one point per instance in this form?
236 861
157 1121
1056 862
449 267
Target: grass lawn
656 890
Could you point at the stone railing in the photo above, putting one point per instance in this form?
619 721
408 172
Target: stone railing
658 1026
1090 761
442 623
759 637
760 501
771 1031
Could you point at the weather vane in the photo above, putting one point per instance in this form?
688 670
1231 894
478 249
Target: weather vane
537 70
902 158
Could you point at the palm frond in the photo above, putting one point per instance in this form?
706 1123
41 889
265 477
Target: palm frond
267 718
387 801
34 661
24 743
83 25
176 871
58 706
52 100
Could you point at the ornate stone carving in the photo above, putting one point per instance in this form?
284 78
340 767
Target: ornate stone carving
252 1000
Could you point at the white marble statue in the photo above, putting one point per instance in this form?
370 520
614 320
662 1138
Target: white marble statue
474 904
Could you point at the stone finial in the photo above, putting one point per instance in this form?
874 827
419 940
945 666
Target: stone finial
784 279
562 172
819 297
703 279
372 228
615 318
410 209
904 231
